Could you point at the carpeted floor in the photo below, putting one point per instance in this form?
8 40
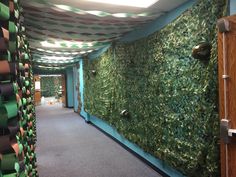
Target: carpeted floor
68 147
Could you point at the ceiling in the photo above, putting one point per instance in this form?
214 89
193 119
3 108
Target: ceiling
60 32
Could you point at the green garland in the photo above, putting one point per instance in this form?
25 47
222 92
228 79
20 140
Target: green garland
170 96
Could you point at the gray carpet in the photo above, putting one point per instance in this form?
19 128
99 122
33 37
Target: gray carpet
68 147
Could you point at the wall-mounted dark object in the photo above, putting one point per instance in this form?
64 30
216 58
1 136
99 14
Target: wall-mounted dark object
125 113
94 72
202 51
223 25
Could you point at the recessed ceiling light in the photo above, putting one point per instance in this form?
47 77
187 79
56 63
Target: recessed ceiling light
132 3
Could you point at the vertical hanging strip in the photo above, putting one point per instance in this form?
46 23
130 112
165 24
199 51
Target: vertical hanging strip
225 77
224 27
17 113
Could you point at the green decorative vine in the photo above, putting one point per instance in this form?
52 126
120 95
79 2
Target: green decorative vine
170 96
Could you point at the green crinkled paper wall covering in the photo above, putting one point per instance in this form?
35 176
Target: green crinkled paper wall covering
50 86
171 97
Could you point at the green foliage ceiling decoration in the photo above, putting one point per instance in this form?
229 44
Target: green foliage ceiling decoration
170 96
62 32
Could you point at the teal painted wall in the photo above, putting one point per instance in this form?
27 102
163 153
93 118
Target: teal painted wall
75 87
157 24
70 87
84 114
232 7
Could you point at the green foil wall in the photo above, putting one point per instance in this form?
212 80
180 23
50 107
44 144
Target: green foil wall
171 97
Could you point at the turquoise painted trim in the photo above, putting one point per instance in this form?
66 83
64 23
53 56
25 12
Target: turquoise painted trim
75 77
156 162
158 24
84 114
99 52
69 87
232 7
76 80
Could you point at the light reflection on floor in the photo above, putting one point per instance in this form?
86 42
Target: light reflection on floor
50 101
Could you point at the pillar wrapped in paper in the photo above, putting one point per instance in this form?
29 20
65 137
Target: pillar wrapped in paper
11 108
12 36
12 46
4 38
7 68
24 56
5 34
21 67
5 55
11 6
5 144
7 89
8 161
12 30
3 44
4 12
8 111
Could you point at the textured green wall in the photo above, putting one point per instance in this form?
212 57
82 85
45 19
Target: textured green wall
50 85
171 97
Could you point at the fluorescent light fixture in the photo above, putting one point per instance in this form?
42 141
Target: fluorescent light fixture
132 3
57 58
75 53
82 52
52 45
120 15
66 44
49 51
90 44
41 50
50 67
51 75
63 7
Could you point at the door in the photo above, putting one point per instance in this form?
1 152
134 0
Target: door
63 96
227 93
37 94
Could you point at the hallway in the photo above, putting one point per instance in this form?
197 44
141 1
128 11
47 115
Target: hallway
68 147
